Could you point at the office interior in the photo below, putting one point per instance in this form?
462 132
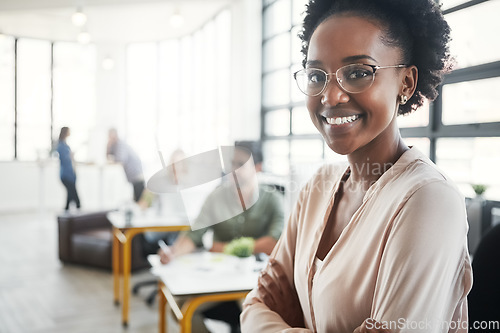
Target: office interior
190 75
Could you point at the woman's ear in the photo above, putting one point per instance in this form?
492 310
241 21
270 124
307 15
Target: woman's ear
409 81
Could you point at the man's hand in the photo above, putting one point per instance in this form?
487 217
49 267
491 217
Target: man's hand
165 256
371 326
218 247
276 292
183 245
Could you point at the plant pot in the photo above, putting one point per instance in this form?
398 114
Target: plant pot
475 219
246 264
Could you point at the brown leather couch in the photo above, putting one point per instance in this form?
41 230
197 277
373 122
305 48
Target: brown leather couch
87 239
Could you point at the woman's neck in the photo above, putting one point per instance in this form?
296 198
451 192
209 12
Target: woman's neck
368 166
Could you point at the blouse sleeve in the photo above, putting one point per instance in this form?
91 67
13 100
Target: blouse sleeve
256 316
425 273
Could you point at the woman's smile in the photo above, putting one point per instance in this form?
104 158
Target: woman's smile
335 125
338 121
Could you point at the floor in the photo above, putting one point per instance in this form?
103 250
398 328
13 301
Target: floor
39 294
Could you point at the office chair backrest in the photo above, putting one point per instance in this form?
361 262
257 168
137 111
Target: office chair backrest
484 297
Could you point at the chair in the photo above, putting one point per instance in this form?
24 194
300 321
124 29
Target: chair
484 297
87 239
151 247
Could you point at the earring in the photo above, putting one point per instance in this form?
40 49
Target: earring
403 99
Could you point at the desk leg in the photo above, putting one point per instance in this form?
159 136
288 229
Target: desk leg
162 301
116 269
190 306
127 249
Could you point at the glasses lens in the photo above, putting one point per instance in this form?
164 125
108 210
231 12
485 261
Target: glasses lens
311 81
355 78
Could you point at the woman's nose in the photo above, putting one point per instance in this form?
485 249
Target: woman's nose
333 94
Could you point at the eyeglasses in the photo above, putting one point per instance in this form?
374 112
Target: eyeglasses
354 78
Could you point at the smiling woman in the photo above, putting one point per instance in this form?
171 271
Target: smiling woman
371 100
380 246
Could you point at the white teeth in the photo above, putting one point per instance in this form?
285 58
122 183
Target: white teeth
342 120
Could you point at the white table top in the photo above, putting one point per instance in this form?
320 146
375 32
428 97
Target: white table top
206 273
144 219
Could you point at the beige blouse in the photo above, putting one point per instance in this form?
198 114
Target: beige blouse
402 259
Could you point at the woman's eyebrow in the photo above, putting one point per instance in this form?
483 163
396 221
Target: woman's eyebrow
354 58
347 60
313 63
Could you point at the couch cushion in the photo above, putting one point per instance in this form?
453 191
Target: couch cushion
103 234
93 248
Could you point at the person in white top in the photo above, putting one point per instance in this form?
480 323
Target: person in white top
380 246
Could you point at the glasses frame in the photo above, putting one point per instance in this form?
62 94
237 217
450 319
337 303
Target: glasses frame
339 81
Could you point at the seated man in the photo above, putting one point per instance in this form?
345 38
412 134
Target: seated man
263 221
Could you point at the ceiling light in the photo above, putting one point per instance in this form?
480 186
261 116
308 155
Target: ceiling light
83 37
108 63
176 20
79 18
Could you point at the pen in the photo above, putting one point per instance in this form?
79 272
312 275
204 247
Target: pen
164 247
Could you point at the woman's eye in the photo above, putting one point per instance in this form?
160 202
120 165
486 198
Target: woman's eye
316 77
358 73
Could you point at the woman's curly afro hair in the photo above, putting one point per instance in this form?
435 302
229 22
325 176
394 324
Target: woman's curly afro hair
417 27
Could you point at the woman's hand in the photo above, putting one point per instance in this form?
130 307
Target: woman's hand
371 326
279 296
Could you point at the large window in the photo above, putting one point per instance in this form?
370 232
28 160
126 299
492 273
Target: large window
287 132
142 99
44 86
74 95
34 97
7 107
460 131
465 137
178 93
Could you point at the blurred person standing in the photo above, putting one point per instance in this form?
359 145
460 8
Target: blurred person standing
119 151
67 171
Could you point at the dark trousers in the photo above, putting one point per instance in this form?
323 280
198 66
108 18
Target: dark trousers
138 189
228 312
72 194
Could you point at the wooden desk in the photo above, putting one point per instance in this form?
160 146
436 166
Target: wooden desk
123 233
198 278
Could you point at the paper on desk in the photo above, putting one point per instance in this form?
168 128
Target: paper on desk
200 273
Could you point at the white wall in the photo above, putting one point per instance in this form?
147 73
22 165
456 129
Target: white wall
29 186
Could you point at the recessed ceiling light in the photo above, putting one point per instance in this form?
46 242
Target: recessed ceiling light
176 20
79 18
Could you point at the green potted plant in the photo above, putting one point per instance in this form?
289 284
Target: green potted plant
243 249
240 247
479 189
